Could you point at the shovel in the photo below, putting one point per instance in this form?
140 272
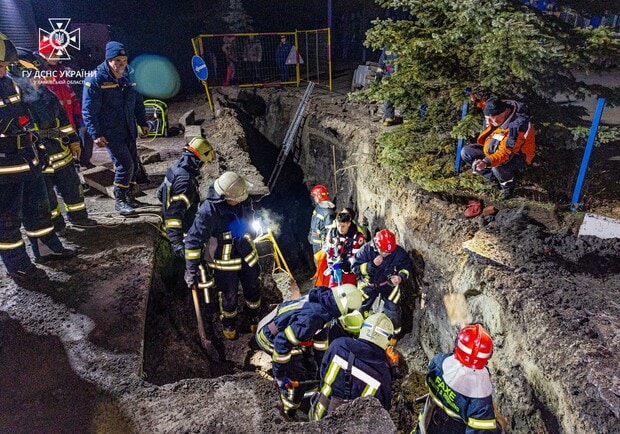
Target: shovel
206 343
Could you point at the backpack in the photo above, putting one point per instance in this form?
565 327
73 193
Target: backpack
156 117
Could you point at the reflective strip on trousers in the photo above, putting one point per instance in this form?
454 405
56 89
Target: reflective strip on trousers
40 233
11 246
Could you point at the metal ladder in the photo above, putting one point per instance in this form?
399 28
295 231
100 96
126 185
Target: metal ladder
291 136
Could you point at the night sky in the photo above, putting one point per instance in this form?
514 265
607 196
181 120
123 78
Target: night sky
166 28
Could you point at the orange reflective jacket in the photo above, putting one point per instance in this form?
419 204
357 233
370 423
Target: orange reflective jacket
515 135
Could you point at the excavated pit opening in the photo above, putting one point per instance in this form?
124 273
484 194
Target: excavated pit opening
172 351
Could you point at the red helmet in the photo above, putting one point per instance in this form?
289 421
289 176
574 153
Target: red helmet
319 193
385 241
474 346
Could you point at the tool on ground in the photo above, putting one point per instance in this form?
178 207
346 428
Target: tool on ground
206 343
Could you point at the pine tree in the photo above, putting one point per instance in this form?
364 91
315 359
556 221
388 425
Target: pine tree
236 18
489 47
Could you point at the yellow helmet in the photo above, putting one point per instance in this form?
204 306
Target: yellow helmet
201 148
8 52
378 329
348 298
352 322
232 186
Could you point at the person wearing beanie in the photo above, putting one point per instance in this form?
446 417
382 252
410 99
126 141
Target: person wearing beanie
112 110
506 145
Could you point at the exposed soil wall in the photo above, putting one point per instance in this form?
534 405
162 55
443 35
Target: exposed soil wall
547 297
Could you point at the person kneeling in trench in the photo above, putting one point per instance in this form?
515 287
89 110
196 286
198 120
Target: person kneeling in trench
295 335
354 368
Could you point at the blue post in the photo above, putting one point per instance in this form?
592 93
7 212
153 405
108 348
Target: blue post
329 14
459 146
586 154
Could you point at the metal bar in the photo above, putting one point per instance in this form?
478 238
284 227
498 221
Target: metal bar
586 154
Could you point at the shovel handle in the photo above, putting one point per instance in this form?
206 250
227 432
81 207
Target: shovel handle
201 326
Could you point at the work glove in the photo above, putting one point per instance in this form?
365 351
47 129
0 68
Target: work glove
244 246
179 250
393 361
286 383
76 149
191 278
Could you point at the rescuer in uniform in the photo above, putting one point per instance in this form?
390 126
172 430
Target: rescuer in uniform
460 390
23 196
60 139
344 239
225 215
352 368
295 334
179 193
322 216
112 109
381 267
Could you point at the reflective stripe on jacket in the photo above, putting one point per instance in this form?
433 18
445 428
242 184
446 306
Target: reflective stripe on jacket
515 135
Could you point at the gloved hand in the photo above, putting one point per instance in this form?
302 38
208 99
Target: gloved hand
244 246
76 149
179 250
393 361
286 383
191 277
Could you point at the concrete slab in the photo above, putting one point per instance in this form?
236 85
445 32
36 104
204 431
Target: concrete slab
192 131
600 226
101 179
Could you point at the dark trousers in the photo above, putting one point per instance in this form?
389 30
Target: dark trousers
124 155
26 203
227 283
502 173
301 368
87 147
392 310
388 110
67 183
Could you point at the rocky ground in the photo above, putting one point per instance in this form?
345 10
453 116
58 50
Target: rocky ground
108 343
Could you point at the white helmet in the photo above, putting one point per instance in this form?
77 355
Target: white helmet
232 186
348 298
377 329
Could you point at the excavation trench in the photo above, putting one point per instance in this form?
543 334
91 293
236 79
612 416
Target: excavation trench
534 285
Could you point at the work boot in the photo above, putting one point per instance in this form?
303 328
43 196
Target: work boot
388 122
61 254
254 323
135 203
230 333
86 222
121 204
30 272
29 277
508 189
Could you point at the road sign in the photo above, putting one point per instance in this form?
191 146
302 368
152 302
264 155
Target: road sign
200 68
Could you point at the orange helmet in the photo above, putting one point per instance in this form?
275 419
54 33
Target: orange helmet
474 346
319 193
385 241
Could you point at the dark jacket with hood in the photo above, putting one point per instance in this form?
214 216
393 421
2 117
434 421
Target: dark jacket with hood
301 322
180 199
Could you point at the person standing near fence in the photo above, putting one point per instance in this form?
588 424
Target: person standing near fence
253 56
282 52
231 59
